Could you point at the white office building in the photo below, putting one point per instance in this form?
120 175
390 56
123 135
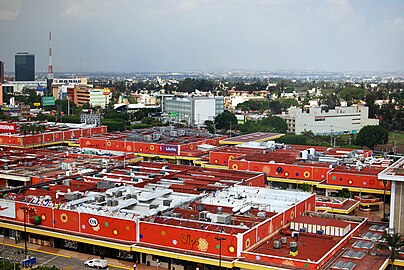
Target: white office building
194 110
342 119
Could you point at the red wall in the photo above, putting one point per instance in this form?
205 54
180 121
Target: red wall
222 158
121 229
355 180
29 139
187 239
282 170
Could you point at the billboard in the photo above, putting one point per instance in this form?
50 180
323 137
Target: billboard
168 148
8 127
7 209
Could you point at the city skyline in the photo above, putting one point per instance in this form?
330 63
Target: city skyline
186 35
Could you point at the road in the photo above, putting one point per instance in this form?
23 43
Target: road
49 259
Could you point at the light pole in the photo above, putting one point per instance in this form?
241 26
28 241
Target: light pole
220 250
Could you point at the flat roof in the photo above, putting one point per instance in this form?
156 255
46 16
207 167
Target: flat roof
395 172
321 221
310 246
274 200
252 137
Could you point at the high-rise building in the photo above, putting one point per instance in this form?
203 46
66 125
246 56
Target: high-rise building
1 72
24 66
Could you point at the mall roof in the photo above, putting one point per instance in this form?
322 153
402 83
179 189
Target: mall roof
252 137
395 172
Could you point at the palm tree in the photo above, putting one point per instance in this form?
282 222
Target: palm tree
393 243
23 131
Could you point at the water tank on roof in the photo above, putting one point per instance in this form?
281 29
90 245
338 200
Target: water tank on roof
312 151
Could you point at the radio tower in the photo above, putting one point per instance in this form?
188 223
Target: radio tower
50 67
49 81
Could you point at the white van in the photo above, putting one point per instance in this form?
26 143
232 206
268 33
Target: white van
97 263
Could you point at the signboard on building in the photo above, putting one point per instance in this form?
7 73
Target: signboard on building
37 104
48 101
106 91
7 209
8 127
168 148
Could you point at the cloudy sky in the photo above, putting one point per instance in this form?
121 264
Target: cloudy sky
203 35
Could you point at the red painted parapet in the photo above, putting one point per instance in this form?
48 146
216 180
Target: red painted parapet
188 239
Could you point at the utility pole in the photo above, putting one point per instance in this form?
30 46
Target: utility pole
331 130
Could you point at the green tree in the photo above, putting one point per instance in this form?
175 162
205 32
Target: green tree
305 187
371 136
344 193
286 103
393 243
276 123
370 99
225 120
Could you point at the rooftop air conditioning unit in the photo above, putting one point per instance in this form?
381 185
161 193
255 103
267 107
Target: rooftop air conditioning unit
99 198
156 136
277 244
173 133
153 206
147 138
181 132
224 219
203 215
167 202
262 214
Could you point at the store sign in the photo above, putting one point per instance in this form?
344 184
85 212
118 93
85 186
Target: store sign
168 148
93 222
7 209
8 127
37 104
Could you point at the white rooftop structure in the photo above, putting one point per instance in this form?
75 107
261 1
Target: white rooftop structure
243 197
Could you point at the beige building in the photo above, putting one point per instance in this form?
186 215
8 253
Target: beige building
395 174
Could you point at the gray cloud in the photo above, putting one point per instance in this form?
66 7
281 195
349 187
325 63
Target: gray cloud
160 35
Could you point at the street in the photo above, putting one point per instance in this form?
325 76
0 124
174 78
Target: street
49 259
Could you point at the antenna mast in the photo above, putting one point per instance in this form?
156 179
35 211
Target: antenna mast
50 67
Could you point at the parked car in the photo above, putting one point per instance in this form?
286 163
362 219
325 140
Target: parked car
96 263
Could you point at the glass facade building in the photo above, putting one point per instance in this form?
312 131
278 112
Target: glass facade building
24 67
